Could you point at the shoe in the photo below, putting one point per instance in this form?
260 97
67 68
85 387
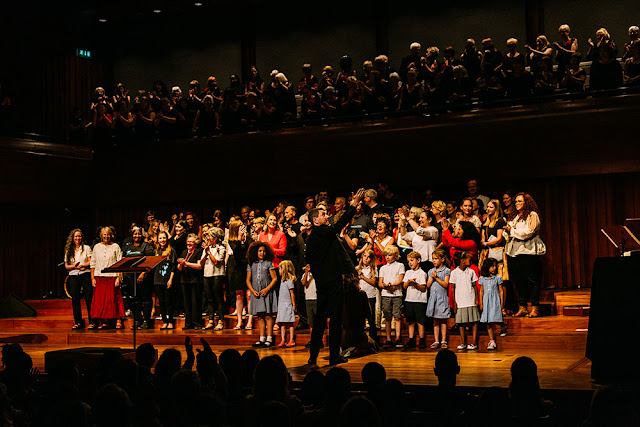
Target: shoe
170 326
462 347
144 325
210 325
164 326
435 344
312 363
534 312
492 345
128 313
291 344
268 344
92 326
472 347
444 344
249 326
119 325
258 344
398 344
235 312
197 328
423 344
410 344
187 327
103 326
282 344
78 326
522 311
387 344
219 326
337 360
308 345
503 331
238 326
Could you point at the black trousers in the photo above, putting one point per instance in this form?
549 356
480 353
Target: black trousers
192 297
165 301
80 287
143 304
330 301
373 329
214 292
526 273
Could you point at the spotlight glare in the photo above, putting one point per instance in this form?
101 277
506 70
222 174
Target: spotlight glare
197 4
157 11
103 20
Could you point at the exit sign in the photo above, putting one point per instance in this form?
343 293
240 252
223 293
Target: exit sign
83 53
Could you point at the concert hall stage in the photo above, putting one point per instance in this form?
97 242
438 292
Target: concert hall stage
556 342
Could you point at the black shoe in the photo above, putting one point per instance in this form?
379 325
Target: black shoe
187 327
308 345
337 360
268 344
410 344
387 344
423 344
197 327
144 325
258 344
398 344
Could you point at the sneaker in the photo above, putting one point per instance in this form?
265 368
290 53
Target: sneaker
503 331
399 344
462 347
388 344
472 347
435 344
444 344
492 345
258 344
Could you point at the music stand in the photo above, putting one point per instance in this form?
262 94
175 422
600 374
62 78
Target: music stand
622 238
135 265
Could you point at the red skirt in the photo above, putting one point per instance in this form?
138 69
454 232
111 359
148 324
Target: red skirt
107 299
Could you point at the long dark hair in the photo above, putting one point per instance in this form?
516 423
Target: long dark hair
469 232
530 205
70 247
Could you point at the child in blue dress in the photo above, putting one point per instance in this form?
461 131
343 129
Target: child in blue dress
286 303
438 304
491 302
261 279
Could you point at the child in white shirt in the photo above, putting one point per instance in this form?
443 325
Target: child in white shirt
390 281
465 294
415 301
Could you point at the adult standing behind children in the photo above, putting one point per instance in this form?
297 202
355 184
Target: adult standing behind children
329 261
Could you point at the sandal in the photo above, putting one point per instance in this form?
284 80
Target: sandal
219 326
249 327
444 344
291 344
435 344
238 326
282 344
119 325
210 325
164 326
170 326
103 326
77 326
91 326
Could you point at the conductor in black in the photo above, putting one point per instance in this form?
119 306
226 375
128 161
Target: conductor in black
329 263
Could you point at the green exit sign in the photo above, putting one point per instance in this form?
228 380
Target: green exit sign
83 53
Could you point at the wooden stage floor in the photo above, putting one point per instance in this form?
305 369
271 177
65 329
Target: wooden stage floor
556 343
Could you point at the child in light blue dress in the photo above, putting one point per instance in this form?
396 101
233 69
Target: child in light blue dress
286 303
438 303
490 302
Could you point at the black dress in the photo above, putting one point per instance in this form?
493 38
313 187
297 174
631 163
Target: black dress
237 266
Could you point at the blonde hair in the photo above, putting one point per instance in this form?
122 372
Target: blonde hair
604 32
392 250
544 39
439 205
564 27
416 211
373 266
287 270
512 40
195 237
415 255
497 214
234 228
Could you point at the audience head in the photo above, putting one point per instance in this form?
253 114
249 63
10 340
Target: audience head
446 367
271 379
313 388
337 386
633 32
359 410
146 355
373 375
250 359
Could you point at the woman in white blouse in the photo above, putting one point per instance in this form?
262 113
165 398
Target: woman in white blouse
107 304
77 260
423 238
524 249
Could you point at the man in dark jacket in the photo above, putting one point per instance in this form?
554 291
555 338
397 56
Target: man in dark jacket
329 262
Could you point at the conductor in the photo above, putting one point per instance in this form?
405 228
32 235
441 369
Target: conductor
329 262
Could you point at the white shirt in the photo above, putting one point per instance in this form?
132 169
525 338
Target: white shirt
370 290
424 241
81 255
524 238
310 292
413 294
473 220
209 269
105 256
465 290
390 273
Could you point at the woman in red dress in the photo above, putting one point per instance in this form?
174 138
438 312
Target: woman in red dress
275 238
107 303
